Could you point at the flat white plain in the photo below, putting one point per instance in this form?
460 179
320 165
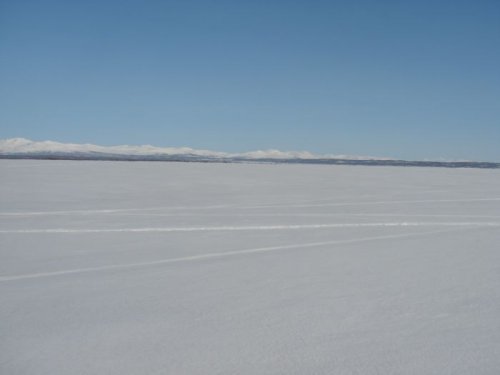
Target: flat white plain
188 268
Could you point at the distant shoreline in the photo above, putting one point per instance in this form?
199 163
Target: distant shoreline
188 158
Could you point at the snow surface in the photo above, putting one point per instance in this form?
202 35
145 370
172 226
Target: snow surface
187 268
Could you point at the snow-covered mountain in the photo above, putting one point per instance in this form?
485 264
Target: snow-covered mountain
22 146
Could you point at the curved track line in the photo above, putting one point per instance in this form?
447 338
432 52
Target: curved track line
251 227
339 204
109 211
300 214
214 255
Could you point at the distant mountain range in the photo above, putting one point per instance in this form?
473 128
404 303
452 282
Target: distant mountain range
21 148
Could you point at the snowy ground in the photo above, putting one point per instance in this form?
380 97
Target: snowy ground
179 268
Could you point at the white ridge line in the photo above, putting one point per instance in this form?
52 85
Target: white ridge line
251 227
109 211
215 255
274 214
338 204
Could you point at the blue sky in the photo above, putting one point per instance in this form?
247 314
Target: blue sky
405 79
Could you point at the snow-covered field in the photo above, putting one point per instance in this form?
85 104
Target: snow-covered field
187 268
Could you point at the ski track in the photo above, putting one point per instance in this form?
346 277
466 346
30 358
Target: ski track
216 255
109 211
300 214
305 205
340 204
250 227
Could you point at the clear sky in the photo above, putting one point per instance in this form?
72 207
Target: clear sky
407 79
